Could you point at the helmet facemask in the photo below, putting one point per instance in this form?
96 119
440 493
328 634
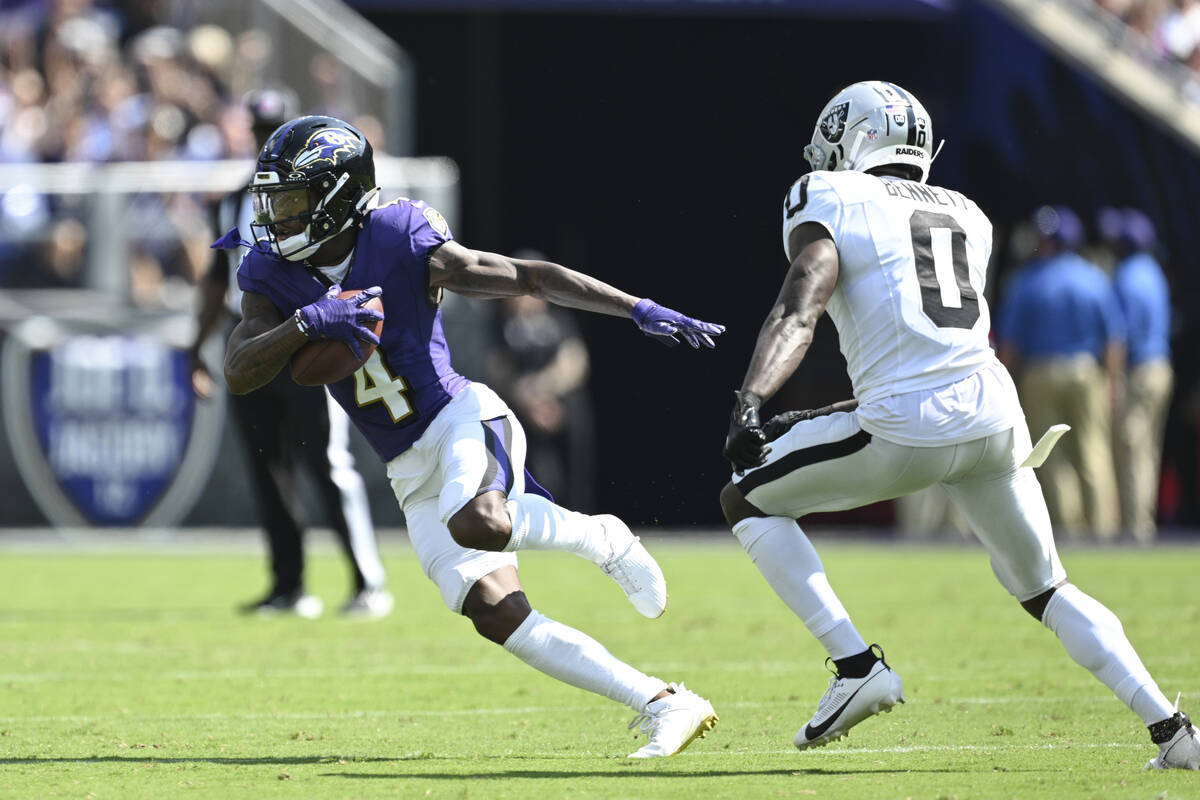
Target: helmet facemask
298 219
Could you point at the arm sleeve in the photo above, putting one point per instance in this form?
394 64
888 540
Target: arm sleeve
811 199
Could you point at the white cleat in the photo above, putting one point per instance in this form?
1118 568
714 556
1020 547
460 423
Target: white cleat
369 604
1181 751
674 722
633 568
849 701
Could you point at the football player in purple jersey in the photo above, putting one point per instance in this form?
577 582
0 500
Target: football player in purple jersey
453 449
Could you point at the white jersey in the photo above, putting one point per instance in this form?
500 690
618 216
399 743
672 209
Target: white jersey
909 305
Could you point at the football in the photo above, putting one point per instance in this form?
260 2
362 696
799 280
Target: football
328 361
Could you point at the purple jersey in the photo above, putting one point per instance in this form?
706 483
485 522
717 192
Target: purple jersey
395 396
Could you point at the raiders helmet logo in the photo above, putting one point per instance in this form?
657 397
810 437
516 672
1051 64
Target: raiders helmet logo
833 124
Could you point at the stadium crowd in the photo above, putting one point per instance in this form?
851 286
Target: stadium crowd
84 83
95 82
1170 27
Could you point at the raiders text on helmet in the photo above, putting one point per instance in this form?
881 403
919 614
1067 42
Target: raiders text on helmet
870 124
315 178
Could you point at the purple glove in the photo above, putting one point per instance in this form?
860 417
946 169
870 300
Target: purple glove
664 324
333 317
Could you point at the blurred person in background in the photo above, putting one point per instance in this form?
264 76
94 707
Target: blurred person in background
1141 419
1061 331
540 363
286 427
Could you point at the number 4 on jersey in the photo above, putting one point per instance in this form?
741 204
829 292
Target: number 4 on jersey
373 383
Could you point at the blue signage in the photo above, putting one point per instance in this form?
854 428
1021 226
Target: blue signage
105 427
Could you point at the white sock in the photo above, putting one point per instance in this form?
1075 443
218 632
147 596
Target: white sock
574 657
538 524
786 558
1094 638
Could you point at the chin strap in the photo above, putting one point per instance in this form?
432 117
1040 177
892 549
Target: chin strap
933 157
368 201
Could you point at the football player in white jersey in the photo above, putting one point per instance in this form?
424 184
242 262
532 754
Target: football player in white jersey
900 267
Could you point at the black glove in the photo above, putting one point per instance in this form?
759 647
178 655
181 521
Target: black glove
746 445
780 424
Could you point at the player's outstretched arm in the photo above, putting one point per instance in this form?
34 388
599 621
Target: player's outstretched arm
783 339
475 273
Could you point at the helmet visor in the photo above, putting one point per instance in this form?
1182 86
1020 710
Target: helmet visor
284 213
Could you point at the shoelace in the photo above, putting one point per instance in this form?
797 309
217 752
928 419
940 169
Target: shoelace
833 685
613 565
650 721
836 680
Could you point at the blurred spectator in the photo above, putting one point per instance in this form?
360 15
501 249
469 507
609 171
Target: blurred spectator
540 363
1060 330
1163 31
1145 300
85 81
64 259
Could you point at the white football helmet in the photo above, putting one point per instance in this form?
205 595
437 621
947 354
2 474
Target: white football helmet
869 124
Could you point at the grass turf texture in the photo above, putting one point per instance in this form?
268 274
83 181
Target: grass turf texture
128 676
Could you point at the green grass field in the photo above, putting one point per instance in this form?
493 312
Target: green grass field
125 675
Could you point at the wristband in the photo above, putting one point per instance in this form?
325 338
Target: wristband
301 325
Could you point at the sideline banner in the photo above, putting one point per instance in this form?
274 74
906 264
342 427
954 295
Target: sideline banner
103 423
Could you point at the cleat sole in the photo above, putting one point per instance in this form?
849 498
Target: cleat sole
840 733
701 732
